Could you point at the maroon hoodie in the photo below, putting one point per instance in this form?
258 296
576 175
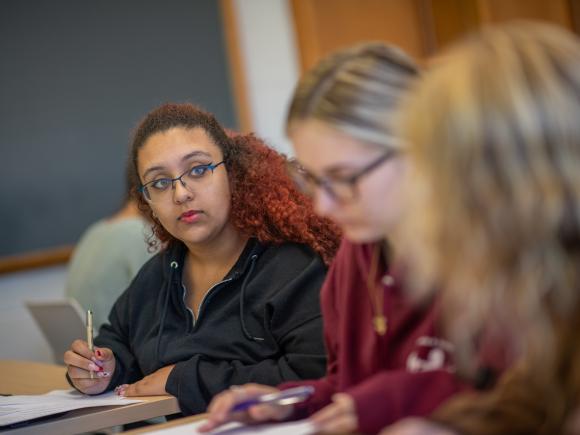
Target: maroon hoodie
406 372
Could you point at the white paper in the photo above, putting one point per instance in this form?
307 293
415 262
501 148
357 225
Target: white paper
301 427
16 409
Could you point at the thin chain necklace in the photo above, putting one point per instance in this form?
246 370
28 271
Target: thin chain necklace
376 294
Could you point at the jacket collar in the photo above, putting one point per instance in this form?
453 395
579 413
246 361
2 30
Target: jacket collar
177 251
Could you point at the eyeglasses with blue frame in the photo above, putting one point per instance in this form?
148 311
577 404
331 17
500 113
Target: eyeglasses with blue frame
159 190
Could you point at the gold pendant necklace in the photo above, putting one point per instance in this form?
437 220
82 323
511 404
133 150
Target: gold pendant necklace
380 324
376 294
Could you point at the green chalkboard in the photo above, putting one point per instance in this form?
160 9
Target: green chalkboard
75 78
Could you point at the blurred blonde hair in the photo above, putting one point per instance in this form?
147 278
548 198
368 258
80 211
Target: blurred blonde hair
494 192
355 90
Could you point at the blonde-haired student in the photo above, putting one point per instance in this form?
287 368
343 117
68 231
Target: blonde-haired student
386 357
494 138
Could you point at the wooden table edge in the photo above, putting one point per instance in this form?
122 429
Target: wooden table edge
174 423
96 418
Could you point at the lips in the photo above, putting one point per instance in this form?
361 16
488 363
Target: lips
189 216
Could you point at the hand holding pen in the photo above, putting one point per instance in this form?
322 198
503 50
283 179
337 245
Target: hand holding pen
282 398
253 403
89 368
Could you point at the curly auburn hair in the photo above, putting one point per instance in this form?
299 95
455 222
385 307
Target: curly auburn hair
265 203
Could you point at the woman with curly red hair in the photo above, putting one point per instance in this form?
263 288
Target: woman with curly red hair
233 295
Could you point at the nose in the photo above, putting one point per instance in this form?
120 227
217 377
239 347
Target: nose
181 193
324 203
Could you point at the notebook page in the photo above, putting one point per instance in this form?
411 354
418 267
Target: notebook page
16 409
301 427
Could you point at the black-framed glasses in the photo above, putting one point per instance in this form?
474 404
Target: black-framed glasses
341 188
161 189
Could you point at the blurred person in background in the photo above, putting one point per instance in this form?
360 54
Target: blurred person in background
107 257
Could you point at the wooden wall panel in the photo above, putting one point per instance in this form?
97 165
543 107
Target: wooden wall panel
575 15
454 18
554 11
420 27
237 72
323 26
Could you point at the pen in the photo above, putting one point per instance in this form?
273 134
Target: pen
90 336
285 397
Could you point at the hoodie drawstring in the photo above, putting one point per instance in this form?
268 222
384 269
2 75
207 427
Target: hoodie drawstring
242 292
173 266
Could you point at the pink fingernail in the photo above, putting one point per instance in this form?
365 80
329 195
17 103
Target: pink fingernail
120 389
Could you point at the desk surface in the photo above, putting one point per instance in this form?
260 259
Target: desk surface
174 423
23 377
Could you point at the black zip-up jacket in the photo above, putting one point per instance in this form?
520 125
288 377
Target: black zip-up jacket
261 323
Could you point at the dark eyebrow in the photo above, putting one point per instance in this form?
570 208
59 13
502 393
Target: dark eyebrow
185 158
